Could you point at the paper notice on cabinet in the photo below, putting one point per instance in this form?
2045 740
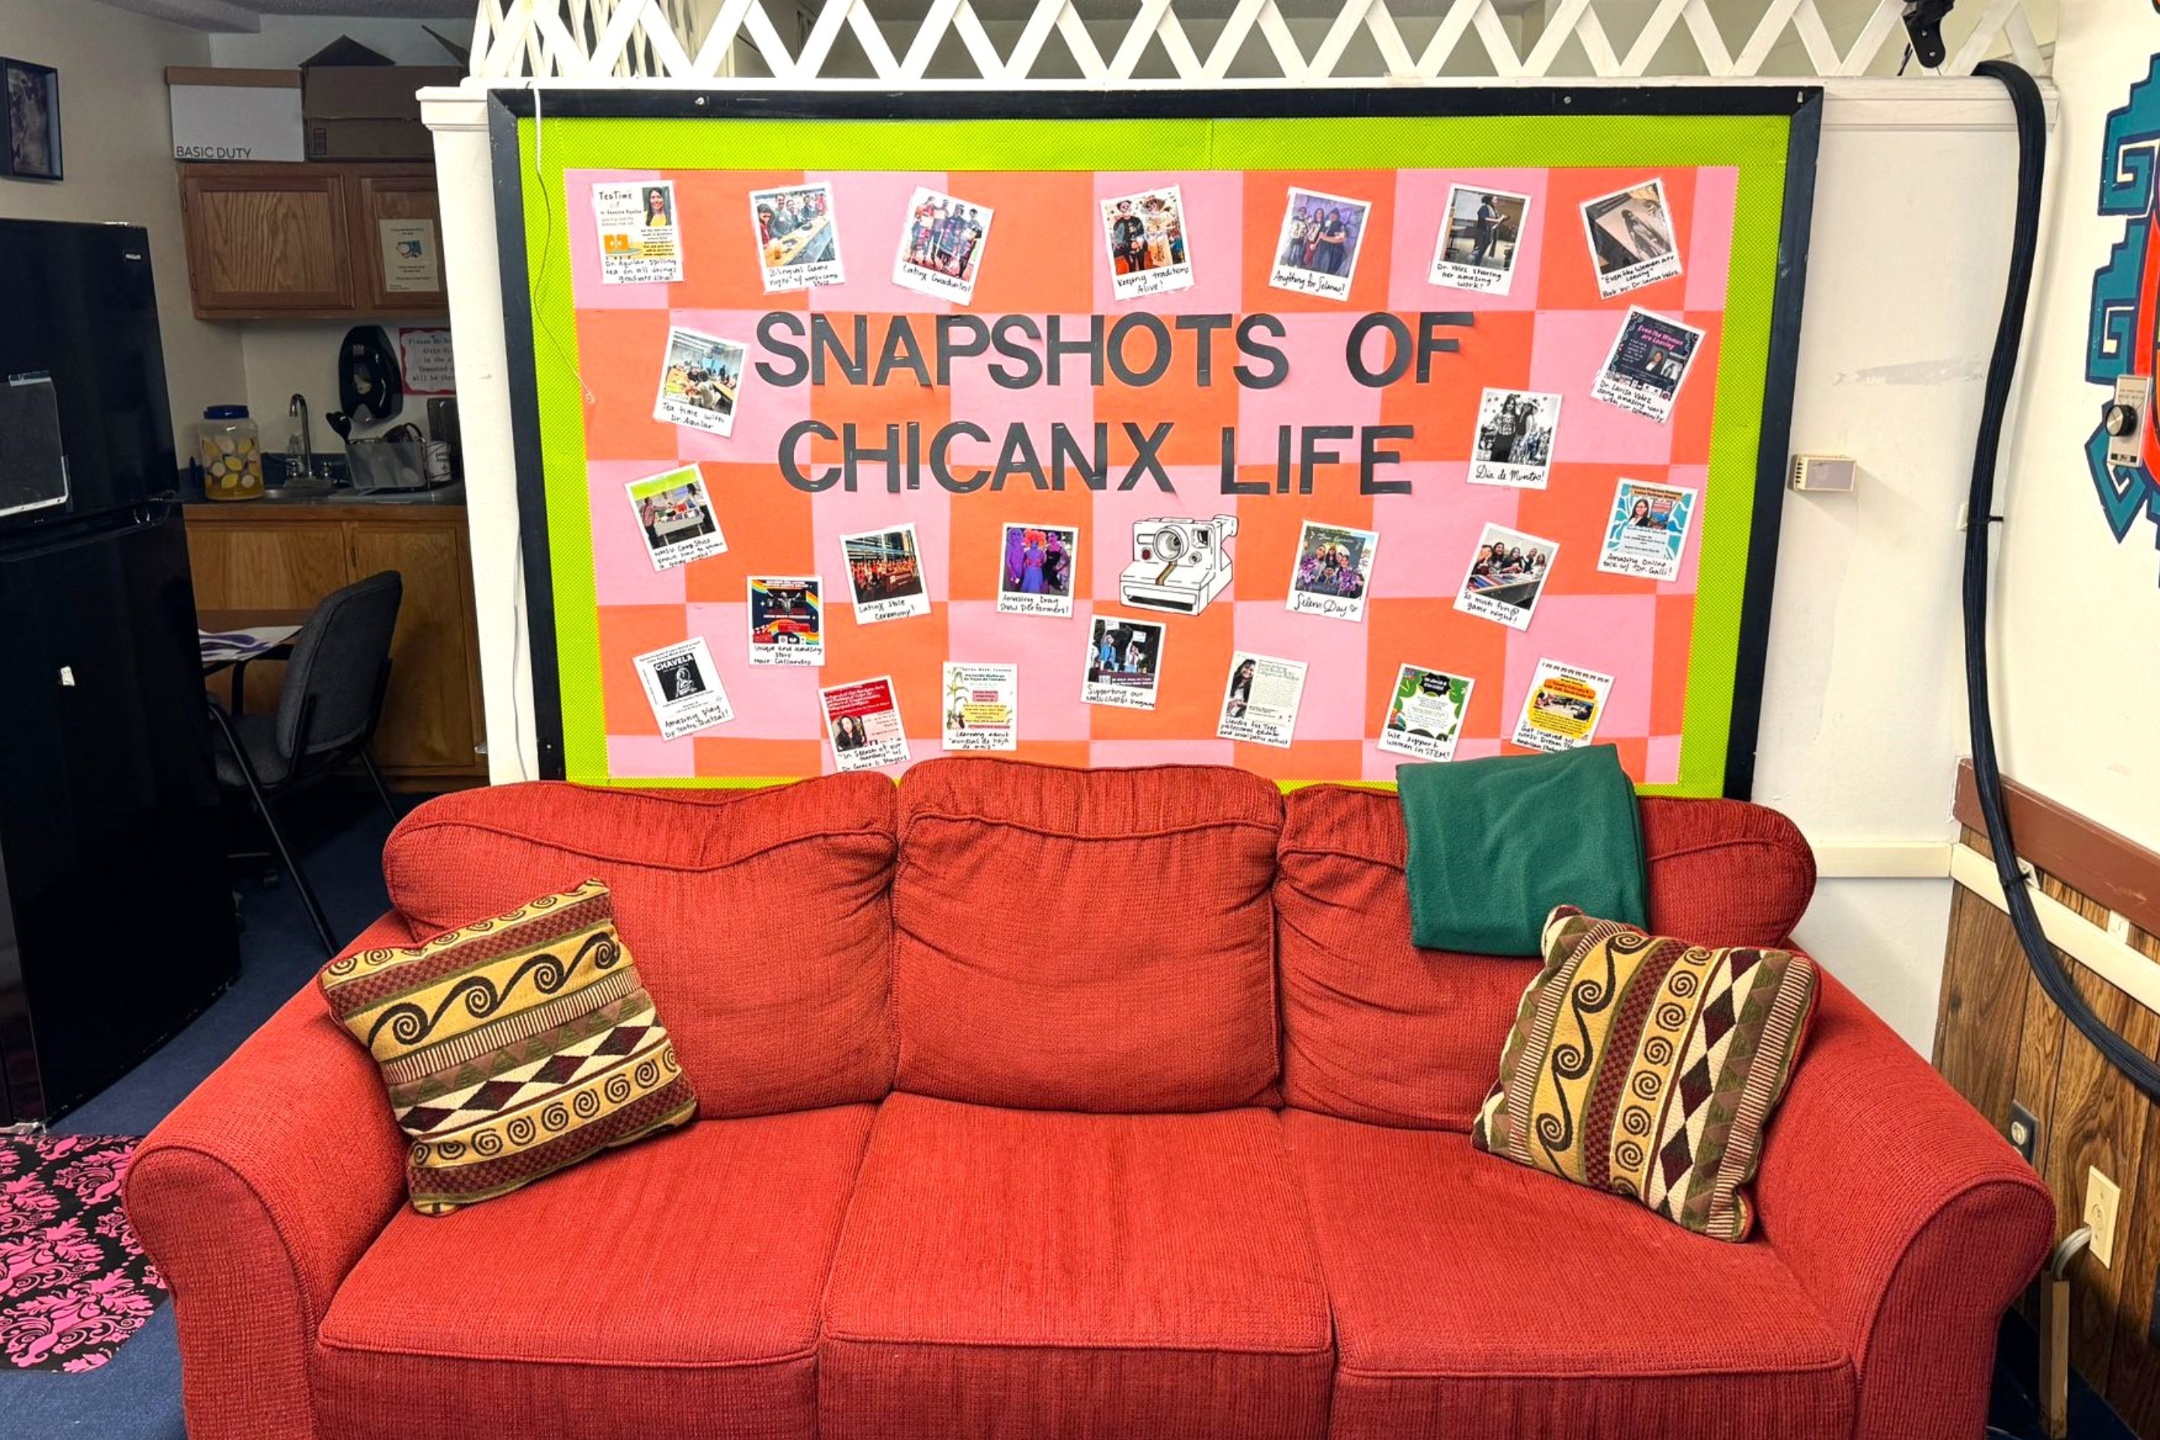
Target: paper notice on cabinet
411 256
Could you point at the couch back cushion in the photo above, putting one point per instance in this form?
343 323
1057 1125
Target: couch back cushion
1097 940
1375 1029
760 919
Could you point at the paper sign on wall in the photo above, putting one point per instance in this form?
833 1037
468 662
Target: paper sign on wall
424 354
982 705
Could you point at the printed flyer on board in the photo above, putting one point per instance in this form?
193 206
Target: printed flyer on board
982 707
1260 703
1425 718
1561 711
639 243
683 688
862 720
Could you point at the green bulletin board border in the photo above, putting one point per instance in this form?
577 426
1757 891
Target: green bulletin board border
1768 134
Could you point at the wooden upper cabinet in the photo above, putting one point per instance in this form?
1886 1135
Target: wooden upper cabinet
386 207
303 240
265 238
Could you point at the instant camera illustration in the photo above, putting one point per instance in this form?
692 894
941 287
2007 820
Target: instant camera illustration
1178 565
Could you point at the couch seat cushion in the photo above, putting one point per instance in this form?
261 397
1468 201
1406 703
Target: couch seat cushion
1037 1275
668 1289
1476 1297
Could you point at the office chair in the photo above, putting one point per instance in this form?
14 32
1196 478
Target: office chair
326 714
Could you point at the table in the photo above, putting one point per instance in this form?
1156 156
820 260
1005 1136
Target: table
219 622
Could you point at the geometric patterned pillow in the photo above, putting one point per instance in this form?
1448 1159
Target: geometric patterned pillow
1648 1067
512 1048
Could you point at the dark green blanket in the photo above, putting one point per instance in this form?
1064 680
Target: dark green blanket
1495 844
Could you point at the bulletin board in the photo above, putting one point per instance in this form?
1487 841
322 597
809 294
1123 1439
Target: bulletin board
1492 384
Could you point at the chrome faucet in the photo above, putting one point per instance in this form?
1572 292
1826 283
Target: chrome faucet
298 407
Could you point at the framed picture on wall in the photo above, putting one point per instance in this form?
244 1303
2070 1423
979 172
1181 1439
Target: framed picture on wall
33 121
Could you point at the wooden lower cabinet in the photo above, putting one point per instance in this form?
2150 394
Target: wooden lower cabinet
264 556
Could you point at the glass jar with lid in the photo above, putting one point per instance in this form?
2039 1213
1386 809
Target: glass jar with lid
230 449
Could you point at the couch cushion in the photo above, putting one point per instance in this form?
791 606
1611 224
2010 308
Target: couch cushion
669 1289
1376 1029
1475 1297
1037 1275
759 918
1086 939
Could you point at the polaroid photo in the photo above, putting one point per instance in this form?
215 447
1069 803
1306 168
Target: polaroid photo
1425 717
1650 357
1035 575
787 620
675 512
683 688
941 246
1260 701
1147 244
1562 710
1124 664
1631 238
798 237
1514 443
639 240
1507 574
863 722
700 381
1479 239
1316 251
982 707
1333 571
885 574
1647 532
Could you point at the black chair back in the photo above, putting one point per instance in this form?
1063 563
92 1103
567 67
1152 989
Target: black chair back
340 659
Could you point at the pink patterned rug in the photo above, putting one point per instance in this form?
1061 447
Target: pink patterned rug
74 1283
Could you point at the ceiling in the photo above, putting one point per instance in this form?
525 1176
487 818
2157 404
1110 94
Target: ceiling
246 15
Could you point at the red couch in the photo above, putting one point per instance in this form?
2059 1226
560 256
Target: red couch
1049 1103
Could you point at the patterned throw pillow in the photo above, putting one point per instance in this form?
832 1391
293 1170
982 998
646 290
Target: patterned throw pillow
512 1048
1649 1067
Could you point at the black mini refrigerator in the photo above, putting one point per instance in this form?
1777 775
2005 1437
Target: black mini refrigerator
116 918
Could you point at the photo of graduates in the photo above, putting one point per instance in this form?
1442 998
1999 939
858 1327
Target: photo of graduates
941 247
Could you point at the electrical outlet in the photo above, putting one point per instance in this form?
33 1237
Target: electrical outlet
2101 1197
2024 1131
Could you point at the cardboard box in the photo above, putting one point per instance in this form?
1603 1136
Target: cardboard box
369 140
235 114
369 92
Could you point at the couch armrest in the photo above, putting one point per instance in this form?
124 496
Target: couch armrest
1910 1221
255 1197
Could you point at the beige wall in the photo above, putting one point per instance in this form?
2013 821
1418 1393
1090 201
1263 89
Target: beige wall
116 134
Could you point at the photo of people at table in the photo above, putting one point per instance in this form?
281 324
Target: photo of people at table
798 237
700 381
1508 571
675 512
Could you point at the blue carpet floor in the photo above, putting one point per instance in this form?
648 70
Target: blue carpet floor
137 1395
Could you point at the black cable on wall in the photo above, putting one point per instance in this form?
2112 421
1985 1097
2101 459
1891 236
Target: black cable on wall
1987 771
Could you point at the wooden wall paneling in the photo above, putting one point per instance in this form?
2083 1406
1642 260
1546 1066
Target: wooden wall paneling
2132 1384
2099 1120
1982 1015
